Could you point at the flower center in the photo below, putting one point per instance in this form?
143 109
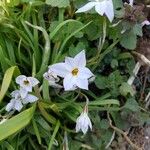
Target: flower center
26 82
75 71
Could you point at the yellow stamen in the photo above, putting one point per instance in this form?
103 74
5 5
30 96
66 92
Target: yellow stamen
26 82
75 71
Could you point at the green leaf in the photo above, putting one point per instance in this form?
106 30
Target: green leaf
105 102
114 63
58 3
132 104
36 130
101 82
16 123
7 80
7 145
75 50
129 40
138 30
125 89
13 3
55 28
117 3
104 124
53 135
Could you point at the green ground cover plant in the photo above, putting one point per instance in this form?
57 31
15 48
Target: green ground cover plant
72 75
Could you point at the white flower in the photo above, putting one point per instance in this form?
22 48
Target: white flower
52 78
73 71
25 99
83 122
131 2
101 7
14 104
26 83
18 100
146 22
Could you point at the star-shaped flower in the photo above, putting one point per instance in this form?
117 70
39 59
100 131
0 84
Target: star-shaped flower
73 71
26 84
101 7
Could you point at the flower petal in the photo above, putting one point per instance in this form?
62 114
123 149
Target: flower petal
33 81
109 11
82 83
29 99
85 73
70 62
60 69
100 7
10 105
27 88
69 82
23 92
146 22
86 7
131 2
20 79
80 59
18 105
15 94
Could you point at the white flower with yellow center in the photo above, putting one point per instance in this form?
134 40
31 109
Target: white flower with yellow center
101 7
83 122
73 71
26 84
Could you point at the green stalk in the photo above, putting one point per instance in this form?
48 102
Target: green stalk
61 14
67 39
46 54
54 134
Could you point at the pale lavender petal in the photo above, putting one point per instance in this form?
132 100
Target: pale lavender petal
29 99
20 79
146 22
10 105
82 83
86 7
18 105
131 2
70 62
80 59
60 69
23 92
109 11
85 73
100 8
33 81
69 82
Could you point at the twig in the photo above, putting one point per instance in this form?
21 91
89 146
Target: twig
147 100
134 146
143 58
112 138
135 72
144 85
